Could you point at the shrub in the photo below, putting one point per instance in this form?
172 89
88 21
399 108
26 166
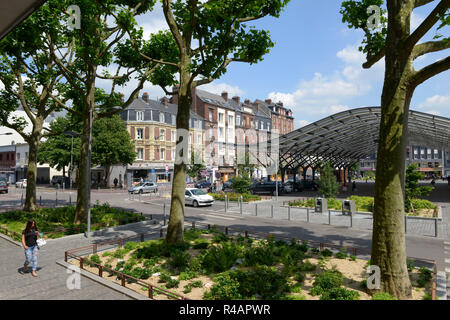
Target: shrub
410 264
187 275
96 259
424 276
327 280
179 260
120 253
326 253
201 245
383 296
150 262
341 254
307 266
224 288
296 288
164 277
353 258
131 245
240 184
192 234
172 283
259 255
141 273
339 294
363 284
299 277
197 284
222 257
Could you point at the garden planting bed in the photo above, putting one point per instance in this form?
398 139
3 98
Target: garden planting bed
58 222
212 265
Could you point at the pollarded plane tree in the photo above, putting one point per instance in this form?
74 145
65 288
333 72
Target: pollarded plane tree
207 36
32 83
95 55
394 41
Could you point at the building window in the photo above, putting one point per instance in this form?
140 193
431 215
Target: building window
230 120
174 120
210 115
199 138
162 119
140 154
221 117
163 153
173 154
162 134
173 135
195 123
140 115
139 134
238 120
220 133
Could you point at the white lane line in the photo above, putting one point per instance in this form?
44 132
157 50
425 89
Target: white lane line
217 217
447 270
447 260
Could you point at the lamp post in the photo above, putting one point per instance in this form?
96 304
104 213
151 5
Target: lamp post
71 134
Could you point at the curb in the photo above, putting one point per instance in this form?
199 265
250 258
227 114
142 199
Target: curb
441 286
10 240
114 286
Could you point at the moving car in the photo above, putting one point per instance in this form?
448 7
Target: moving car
22 183
266 187
145 187
3 187
197 197
203 184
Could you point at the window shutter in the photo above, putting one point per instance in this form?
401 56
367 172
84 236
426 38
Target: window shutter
147 154
132 132
147 133
156 133
156 153
168 154
167 135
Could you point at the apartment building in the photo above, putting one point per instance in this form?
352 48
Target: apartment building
152 127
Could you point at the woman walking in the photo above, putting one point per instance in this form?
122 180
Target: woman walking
29 242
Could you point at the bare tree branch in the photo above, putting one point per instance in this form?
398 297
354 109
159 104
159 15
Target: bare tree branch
429 71
430 46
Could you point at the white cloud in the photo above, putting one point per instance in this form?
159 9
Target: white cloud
301 123
416 20
436 105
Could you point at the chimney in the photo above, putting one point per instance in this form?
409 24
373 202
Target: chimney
268 101
247 102
145 97
280 103
237 99
164 101
225 95
256 105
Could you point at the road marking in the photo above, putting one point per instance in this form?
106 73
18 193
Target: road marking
447 243
218 217
447 260
447 270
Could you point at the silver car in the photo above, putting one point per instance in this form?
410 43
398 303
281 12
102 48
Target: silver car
197 197
145 187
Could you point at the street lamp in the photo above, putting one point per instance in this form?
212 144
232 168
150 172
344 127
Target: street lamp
71 134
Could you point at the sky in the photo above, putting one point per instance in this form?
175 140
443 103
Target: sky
315 67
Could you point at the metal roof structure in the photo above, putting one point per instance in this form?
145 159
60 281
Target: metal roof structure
14 12
351 135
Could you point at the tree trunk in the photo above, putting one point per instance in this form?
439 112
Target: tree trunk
107 174
388 239
83 178
175 230
33 144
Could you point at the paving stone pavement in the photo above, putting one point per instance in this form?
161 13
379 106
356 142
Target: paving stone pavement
51 281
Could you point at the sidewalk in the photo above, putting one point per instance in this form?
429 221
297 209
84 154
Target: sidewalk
51 281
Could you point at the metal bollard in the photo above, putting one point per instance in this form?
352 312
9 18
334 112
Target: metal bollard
40 200
164 214
307 214
70 199
329 217
21 199
271 211
405 224
139 197
436 227
351 220
289 213
256 209
240 206
56 199
193 225
226 203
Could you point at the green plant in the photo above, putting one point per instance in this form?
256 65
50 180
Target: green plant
131 245
179 260
427 296
164 278
342 254
326 253
221 257
307 266
327 185
224 288
141 273
201 245
339 294
410 264
95 258
120 253
327 280
425 276
172 283
197 284
296 288
383 296
300 277
262 255
363 284
187 275
353 258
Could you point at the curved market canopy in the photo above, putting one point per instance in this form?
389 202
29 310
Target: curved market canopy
351 135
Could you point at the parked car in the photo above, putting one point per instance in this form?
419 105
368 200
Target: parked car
3 187
203 184
197 197
226 186
22 183
287 187
145 187
59 180
309 184
266 187
295 186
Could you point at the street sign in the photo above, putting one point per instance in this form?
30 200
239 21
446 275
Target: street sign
153 170
167 168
